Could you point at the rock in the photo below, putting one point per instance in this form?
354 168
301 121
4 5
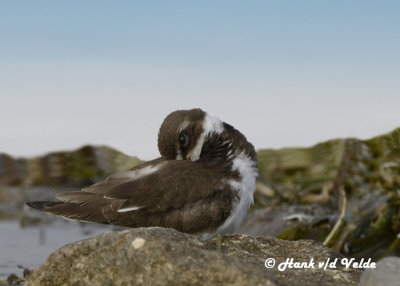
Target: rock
278 220
386 273
13 280
368 171
76 168
157 256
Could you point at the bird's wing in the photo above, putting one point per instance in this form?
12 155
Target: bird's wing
184 195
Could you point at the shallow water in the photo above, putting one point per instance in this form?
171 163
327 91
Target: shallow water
30 246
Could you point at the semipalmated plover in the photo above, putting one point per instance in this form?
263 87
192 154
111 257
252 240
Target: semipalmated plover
203 183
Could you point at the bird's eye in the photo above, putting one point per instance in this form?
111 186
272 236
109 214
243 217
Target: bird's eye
184 139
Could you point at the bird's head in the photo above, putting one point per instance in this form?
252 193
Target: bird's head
193 134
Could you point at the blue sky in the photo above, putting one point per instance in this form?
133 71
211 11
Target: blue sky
285 73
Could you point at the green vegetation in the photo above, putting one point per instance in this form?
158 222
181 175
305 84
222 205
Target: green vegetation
369 172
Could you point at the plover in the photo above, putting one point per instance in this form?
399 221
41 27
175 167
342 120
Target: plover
203 183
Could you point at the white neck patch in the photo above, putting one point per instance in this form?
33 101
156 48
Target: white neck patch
211 125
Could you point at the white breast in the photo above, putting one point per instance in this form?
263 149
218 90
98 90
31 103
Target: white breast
245 187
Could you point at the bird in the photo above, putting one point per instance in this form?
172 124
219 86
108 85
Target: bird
202 184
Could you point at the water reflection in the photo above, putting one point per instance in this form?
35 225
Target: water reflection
42 235
30 245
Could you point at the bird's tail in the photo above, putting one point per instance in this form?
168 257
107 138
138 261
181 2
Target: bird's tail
42 205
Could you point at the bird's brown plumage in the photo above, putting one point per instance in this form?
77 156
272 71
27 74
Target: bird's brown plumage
190 196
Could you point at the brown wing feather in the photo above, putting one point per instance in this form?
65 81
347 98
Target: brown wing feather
116 179
184 195
173 186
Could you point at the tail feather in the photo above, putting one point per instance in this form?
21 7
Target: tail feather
88 213
42 205
88 207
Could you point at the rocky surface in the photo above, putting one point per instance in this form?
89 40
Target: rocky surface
367 170
386 273
157 256
76 168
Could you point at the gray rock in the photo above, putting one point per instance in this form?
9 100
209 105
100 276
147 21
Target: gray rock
157 256
386 273
274 220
